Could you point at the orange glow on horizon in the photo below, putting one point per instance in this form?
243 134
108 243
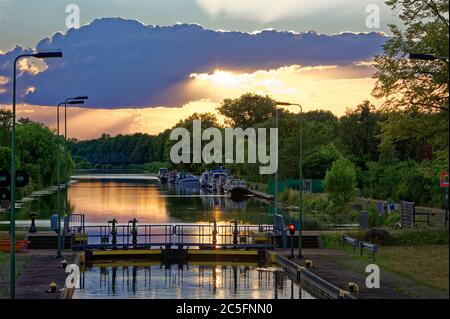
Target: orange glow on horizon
327 87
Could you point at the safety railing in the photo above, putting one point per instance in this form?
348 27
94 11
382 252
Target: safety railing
74 221
122 236
373 248
350 240
114 236
240 236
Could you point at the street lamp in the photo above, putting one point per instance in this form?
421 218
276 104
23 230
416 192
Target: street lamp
75 100
426 57
300 222
12 263
78 100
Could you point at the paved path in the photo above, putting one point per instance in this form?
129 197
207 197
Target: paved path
39 272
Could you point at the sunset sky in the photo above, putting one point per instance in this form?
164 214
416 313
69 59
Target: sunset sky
157 62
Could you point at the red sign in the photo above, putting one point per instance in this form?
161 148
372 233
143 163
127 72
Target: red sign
443 179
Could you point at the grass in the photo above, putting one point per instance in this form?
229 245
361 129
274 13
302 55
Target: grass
425 264
21 261
421 261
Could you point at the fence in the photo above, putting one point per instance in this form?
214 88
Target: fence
309 185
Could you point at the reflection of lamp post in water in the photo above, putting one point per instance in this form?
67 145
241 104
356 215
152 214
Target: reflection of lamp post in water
113 279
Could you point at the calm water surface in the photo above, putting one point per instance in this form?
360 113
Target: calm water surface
103 197
187 282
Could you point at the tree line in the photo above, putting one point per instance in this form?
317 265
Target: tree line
36 151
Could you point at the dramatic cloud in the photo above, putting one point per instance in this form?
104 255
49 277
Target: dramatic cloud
125 64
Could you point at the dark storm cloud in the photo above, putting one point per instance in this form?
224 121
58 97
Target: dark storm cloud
123 63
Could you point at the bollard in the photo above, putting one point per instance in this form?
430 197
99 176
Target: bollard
353 288
33 216
63 264
53 287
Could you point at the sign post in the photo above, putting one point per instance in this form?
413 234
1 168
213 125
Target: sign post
443 182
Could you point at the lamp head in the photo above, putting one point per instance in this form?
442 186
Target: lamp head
46 55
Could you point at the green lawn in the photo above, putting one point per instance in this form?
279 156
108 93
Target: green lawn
427 265
21 261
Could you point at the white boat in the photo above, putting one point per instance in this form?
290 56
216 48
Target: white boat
186 179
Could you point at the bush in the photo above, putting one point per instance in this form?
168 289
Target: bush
418 237
377 236
340 183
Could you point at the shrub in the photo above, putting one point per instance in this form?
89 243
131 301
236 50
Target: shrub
418 237
340 183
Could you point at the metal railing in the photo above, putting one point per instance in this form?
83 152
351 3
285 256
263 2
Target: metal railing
168 235
121 236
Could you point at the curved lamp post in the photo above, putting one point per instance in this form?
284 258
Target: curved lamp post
58 166
12 263
300 222
74 100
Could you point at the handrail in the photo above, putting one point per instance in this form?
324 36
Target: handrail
149 235
372 247
350 240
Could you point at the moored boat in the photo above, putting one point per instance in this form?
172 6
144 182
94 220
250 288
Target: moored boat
172 177
163 175
187 179
236 188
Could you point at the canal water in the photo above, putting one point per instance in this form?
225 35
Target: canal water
102 197
187 282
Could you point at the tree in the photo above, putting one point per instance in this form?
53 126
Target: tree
359 131
340 183
317 163
413 86
244 112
